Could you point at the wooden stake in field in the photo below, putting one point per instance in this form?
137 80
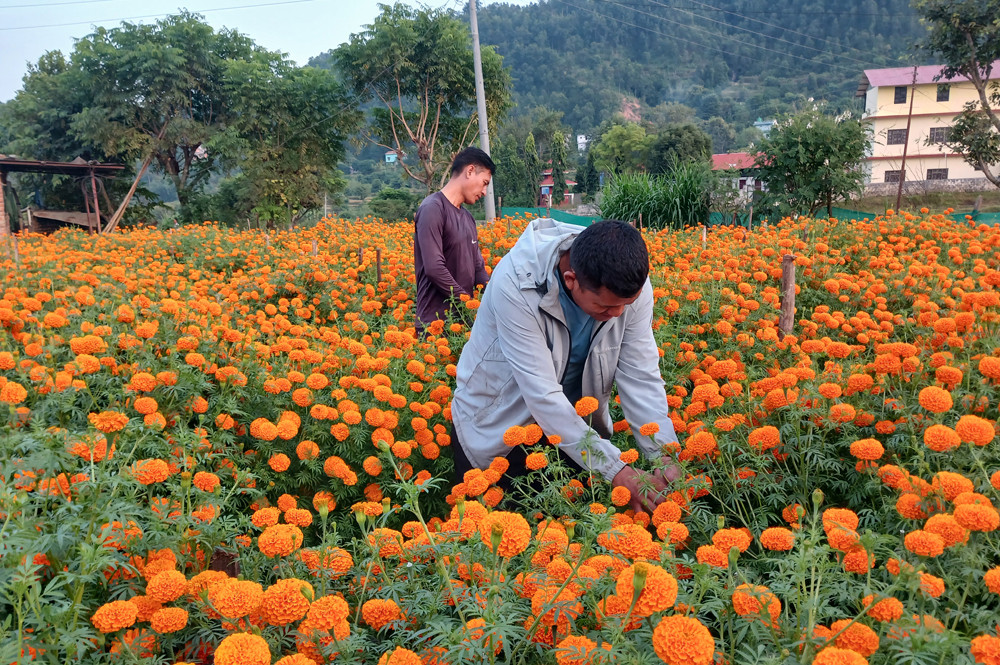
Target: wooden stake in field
787 319
378 265
704 236
315 247
361 256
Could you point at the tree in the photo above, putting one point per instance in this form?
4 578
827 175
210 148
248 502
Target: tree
558 153
533 169
678 144
511 175
417 64
721 133
587 179
157 93
622 148
966 35
811 159
289 134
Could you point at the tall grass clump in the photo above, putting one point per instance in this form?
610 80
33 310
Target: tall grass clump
676 199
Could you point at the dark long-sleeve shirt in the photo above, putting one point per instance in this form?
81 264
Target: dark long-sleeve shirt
446 256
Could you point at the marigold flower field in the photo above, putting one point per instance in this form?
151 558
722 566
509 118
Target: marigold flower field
219 446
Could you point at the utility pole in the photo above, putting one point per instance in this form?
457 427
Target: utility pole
484 129
909 115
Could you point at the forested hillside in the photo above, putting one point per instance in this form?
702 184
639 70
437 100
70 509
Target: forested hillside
737 59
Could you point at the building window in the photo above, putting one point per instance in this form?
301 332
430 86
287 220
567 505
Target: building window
895 137
900 97
743 183
893 176
937 174
944 92
939 134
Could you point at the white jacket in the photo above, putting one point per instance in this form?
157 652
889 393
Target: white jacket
510 370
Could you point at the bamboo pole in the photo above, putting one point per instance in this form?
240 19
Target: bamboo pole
787 319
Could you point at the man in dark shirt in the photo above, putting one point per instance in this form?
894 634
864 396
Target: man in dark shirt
446 255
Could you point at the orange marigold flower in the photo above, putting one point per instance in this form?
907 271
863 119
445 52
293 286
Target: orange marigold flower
145 405
327 612
307 450
279 462
108 421
985 649
941 438
649 429
234 598
935 399
378 612
725 539
948 528
535 461
243 649
586 405
989 366
931 585
113 616
280 539
885 610
857 560
842 413
169 620
576 650
751 600
855 636
764 438
975 430
401 655
620 496
514 436
629 456
838 656
924 543
205 481
713 556
830 390
150 471
285 601
992 579
167 586
977 517
514 532
867 449
681 640
656 587
777 539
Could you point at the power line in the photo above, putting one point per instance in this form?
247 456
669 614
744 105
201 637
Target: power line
132 18
733 39
52 4
773 25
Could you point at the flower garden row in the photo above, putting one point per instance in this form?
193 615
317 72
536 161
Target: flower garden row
222 447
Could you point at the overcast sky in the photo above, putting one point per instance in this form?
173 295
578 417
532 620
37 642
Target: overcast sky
300 28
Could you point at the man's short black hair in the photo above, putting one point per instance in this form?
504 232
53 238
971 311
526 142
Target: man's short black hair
473 156
612 254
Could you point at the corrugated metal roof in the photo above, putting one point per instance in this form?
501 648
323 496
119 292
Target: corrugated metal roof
874 78
76 167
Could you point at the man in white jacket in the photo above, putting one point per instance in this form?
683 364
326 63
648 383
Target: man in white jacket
567 313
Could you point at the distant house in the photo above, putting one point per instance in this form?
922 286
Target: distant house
764 126
391 157
582 140
545 189
743 163
936 102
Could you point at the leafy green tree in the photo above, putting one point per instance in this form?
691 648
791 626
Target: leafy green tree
395 204
512 173
289 135
678 144
533 168
721 132
622 148
966 35
587 177
558 153
157 92
812 159
417 65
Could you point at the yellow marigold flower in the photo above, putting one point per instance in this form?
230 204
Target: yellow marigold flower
681 640
243 649
586 405
113 616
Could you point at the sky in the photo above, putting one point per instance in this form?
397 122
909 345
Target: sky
300 28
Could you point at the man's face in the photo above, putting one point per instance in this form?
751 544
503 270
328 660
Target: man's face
602 304
477 179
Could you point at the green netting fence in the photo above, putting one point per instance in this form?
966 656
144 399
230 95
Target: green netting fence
721 219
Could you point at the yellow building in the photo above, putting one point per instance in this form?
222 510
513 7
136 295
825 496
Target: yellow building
891 98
